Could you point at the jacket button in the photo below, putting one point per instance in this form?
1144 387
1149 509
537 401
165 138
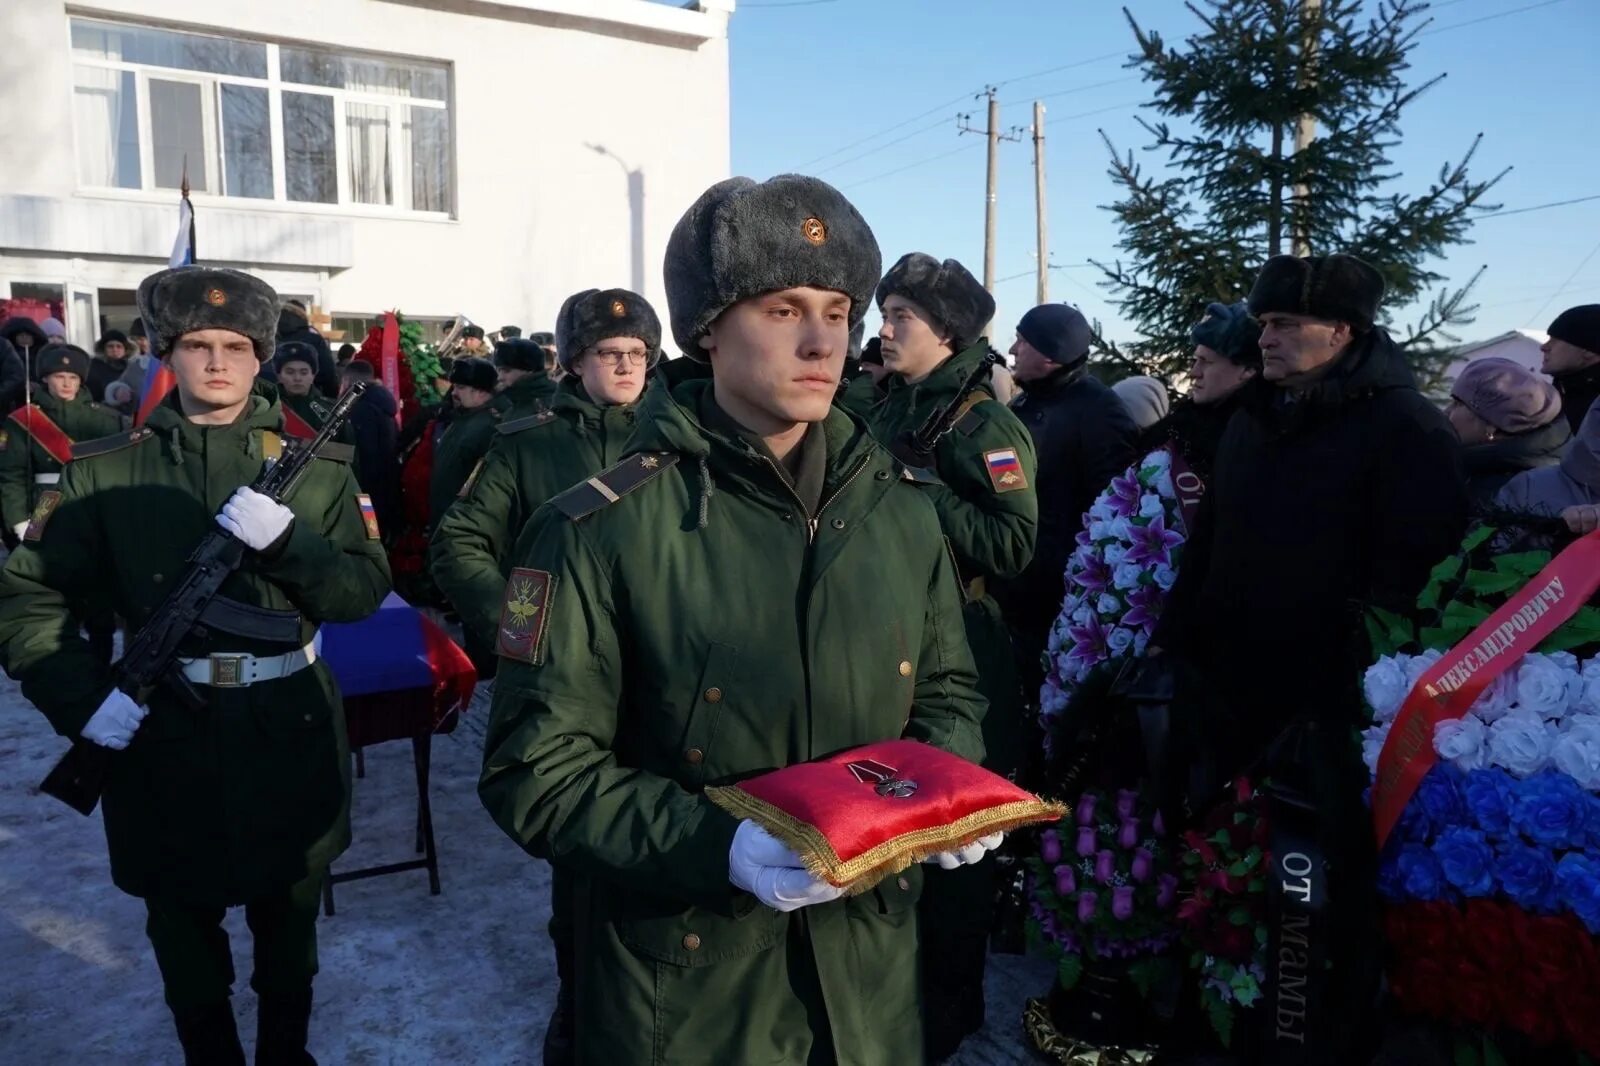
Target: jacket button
905 668
905 886
157 578
787 516
838 523
882 475
691 942
694 756
713 695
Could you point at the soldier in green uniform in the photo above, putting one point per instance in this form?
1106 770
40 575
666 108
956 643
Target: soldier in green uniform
466 435
934 316
524 384
757 584
36 442
608 341
244 802
295 363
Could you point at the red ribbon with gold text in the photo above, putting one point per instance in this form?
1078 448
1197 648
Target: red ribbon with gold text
390 356
1453 684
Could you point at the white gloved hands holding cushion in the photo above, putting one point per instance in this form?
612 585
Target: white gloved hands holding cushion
255 519
115 723
769 870
967 855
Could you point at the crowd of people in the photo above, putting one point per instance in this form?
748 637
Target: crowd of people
683 571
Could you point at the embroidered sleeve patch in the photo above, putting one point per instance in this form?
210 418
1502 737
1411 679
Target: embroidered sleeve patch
1005 470
48 502
472 479
525 615
5 439
369 516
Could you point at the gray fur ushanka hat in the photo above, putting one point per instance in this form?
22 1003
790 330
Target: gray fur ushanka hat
183 299
592 315
946 290
741 239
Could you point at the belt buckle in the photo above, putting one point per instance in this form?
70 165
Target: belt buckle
227 671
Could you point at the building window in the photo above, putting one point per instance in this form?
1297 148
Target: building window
258 120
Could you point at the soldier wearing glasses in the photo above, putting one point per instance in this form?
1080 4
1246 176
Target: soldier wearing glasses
606 341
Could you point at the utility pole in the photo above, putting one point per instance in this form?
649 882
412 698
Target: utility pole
1305 130
1042 294
992 131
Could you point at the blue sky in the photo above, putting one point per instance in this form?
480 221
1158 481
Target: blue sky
811 79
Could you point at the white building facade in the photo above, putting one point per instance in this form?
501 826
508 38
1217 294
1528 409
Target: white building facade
477 157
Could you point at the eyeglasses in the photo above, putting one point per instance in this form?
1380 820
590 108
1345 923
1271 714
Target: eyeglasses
614 356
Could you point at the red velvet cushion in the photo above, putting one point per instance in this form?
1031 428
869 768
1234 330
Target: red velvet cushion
856 817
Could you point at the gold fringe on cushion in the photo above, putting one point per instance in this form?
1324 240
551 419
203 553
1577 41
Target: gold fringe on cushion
1060 1048
861 873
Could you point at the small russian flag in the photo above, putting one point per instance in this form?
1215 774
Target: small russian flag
1005 469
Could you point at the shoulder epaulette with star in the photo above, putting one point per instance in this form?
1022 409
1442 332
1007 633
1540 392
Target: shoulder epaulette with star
88 449
525 422
609 486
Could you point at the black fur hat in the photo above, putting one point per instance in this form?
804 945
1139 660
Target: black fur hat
58 357
472 331
510 333
946 290
183 299
543 339
474 371
295 352
1339 287
594 314
741 239
518 354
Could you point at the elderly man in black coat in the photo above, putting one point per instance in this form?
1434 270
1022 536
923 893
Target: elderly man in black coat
1084 437
1337 489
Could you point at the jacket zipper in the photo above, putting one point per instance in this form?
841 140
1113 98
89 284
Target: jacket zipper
851 476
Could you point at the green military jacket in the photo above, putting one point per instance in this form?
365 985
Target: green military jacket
26 468
250 794
987 508
464 442
531 460
701 629
531 394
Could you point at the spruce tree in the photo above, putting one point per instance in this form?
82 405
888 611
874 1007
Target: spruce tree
1234 190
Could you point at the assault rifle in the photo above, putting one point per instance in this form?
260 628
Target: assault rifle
916 447
146 663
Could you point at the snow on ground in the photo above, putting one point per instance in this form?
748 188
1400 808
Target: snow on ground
407 979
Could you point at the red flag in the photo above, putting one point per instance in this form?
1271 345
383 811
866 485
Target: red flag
391 357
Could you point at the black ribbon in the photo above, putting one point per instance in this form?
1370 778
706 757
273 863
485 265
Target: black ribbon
1294 1014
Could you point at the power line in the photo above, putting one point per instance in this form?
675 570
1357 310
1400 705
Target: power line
951 103
1079 89
1542 307
1096 111
918 132
1030 271
1489 18
969 146
1537 207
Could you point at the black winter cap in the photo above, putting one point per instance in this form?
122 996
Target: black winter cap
1578 326
1231 332
518 354
184 299
1059 332
946 290
591 316
58 357
295 352
474 372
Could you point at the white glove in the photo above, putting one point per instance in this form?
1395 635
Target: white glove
19 529
763 866
113 725
967 855
254 519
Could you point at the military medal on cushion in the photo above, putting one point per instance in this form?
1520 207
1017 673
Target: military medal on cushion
861 815
1005 470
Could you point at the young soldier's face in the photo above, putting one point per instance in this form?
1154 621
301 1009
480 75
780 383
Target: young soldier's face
115 350
507 376
778 357
215 368
913 344
63 385
469 397
612 370
295 378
